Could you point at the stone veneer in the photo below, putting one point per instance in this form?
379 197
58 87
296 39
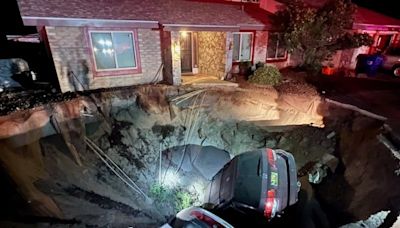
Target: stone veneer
176 58
212 53
71 54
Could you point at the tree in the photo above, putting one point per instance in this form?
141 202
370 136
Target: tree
315 34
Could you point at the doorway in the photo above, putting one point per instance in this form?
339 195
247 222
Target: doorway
186 41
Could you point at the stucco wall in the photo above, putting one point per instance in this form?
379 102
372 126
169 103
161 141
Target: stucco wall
71 54
212 53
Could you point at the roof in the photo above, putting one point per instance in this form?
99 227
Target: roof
362 16
369 17
166 12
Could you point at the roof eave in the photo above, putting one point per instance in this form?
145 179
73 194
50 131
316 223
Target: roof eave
231 28
77 22
375 27
258 27
191 27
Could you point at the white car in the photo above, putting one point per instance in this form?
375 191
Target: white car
196 217
392 60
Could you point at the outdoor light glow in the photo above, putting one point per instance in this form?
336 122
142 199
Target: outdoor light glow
171 178
95 49
101 42
177 47
184 34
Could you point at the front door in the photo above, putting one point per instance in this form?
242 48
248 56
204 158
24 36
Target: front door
186 52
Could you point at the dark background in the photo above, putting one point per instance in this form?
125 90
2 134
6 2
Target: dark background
388 7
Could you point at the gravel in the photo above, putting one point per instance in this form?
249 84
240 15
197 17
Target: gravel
15 100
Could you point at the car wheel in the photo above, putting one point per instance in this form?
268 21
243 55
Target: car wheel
396 71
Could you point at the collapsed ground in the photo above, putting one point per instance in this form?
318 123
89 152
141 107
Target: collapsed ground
68 183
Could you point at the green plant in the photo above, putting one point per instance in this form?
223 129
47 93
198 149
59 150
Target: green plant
159 192
183 200
175 197
267 75
316 33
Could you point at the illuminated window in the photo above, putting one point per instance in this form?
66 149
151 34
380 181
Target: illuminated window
113 50
242 46
275 49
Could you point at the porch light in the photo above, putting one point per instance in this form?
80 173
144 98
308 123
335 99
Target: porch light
177 47
184 34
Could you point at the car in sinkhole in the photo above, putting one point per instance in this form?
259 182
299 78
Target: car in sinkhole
196 217
262 182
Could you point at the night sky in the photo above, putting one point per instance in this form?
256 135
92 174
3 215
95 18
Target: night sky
388 7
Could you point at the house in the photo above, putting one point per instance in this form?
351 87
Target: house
385 31
99 44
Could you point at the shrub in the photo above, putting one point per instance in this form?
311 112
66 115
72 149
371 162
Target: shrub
267 75
183 200
159 192
175 197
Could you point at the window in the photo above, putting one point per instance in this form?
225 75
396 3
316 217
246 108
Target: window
242 46
113 50
274 49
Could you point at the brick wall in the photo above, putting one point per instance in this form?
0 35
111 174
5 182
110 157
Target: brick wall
260 47
72 59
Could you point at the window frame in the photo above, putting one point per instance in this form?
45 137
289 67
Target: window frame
240 46
115 71
276 51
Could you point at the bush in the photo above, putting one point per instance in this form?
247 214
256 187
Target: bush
183 200
176 197
159 192
267 75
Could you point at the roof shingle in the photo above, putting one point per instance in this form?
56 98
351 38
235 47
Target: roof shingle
164 11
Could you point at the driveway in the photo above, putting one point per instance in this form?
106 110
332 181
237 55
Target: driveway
380 95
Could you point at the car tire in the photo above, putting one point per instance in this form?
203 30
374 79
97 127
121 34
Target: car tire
396 71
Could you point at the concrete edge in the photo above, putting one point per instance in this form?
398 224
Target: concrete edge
356 109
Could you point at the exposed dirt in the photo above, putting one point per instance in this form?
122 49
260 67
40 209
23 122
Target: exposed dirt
133 126
11 101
